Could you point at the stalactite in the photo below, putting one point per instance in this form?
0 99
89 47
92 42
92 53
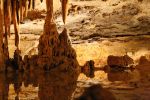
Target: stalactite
7 22
33 4
18 11
16 28
49 50
64 9
26 8
49 6
41 1
30 4
21 10
2 59
7 15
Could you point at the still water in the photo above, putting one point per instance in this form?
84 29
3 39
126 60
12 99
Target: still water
35 86
52 86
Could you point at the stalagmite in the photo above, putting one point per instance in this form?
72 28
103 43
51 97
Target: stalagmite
55 51
2 60
65 9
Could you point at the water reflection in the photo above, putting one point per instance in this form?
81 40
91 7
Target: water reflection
125 76
50 86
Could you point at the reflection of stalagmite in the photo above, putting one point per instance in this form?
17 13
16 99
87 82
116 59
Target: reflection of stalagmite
4 87
96 92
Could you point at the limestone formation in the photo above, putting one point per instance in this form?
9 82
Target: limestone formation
88 68
55 50
119 63
122 61
15 11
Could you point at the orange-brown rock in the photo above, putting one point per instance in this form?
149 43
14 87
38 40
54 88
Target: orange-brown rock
56 50
122 61
88 68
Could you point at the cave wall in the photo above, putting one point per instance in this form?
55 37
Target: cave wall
41 6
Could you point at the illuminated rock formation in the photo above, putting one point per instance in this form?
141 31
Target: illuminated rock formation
54 49
122 61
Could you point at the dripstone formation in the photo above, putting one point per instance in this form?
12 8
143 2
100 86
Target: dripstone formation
55 50
55 54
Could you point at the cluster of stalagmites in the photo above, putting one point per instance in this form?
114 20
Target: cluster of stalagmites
54 51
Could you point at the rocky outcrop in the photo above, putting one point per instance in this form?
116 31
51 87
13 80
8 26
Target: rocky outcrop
124 61
88 68
119 63
55 50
